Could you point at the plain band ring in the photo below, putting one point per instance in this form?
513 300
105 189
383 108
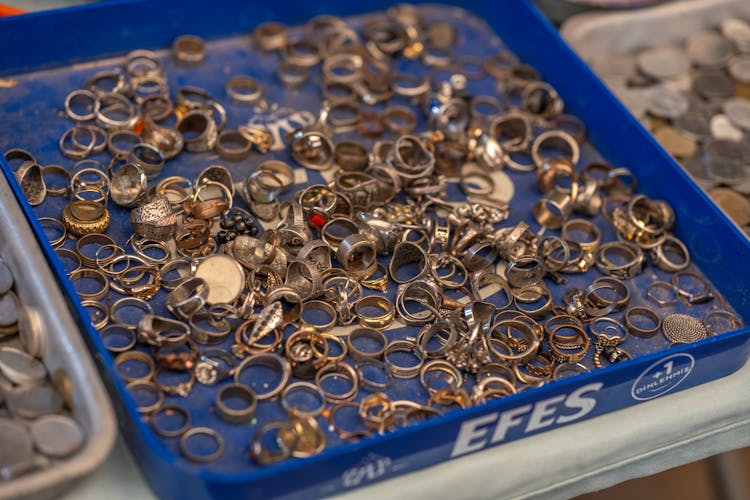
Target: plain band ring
338 370
231 145
202 431
273 361
647 312
114 329
307 387
167 410
324 307
359 355
236 415
244 89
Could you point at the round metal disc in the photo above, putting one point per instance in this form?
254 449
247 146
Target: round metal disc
504 186
682 83
6 278
742 187
615 66
713 84
664 102
31 332
694 123
738 111
35 400
640 80
708 48
727 151
224 278
21 368
683 328
663 62
723 129
57 435
679 144
734 204
739 68
726 171
738 31
17 446
633 99
8 309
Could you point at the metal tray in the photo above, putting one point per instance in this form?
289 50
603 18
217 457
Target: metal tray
64 352
595 35
599 34
122 26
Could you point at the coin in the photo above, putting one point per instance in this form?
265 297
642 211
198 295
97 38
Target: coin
21 368
742 90
723 129
656 123
17 446
666 61
31 331
8 309
694 123
739 68
742 187
738 111
34 401
726 161
738 31
677 143
633 99
682 83
614 65
713 84
708 48
640 80
6 278
736 206
57 435
224 278
726 150
726 171
664 102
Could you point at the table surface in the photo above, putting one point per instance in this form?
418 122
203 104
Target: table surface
641 440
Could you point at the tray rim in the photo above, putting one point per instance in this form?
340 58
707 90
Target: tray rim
69 347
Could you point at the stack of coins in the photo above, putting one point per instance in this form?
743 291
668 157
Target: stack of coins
694 96
36 425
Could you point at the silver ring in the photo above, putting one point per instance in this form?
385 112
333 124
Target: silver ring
306 387
236 415
189 49
323 307
244 89
170 410
92 105
202 431
273 361
357 256
407 252
232 145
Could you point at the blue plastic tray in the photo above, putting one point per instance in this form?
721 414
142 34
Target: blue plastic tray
28 118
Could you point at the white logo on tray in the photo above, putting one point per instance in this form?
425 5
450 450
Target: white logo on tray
493 428
279 121
370 468
663 376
